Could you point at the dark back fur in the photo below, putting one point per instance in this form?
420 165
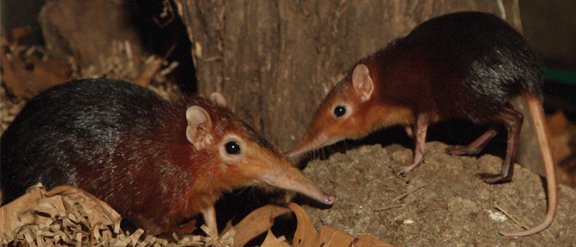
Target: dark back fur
120 142
79 122
463 65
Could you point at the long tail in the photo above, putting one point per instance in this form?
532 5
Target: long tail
537 115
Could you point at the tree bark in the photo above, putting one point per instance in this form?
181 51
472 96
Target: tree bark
276 60
95 33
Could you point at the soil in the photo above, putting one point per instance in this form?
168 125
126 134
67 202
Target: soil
440 203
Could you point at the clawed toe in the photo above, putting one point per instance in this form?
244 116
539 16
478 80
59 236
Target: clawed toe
406 169
402 172
494 178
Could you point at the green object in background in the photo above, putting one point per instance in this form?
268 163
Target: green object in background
560 75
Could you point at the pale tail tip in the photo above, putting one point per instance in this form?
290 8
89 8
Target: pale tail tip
518 234
329 200
536 229
512 234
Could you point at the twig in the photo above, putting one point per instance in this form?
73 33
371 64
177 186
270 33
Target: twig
387 208
400 197
510 217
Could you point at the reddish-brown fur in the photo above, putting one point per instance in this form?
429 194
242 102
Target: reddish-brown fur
465 65
156 162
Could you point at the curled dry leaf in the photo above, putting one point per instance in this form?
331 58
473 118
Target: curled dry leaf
261 220
38 210
273 241
306 235
256 223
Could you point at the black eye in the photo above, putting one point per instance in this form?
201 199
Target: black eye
339 111
232 147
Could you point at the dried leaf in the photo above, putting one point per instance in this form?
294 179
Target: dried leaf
10 213
273 241
44 218
329 236
98 211
257 222
26 75
306 235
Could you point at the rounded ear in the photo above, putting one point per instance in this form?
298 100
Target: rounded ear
198 131
218 99
362 82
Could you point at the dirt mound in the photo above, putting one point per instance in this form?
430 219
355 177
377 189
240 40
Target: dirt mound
440 203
